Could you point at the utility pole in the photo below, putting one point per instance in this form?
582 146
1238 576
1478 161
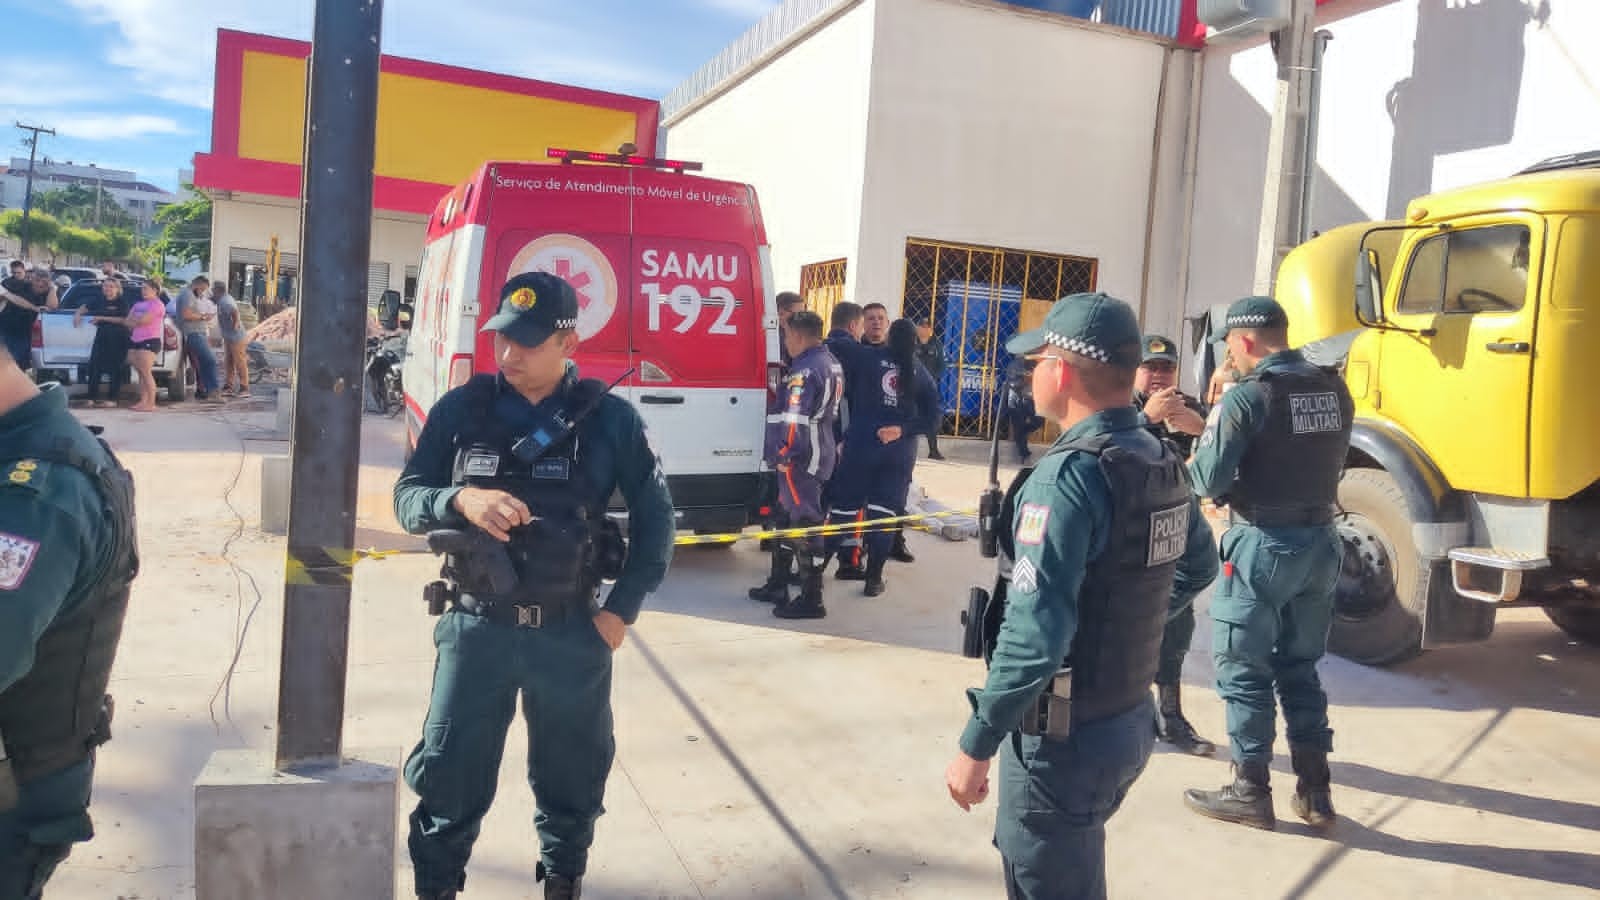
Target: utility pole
27 193
1288 171
335 242
99 188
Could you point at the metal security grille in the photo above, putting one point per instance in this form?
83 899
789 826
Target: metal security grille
822 286
976 298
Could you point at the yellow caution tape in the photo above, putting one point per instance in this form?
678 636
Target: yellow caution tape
331 565
336 565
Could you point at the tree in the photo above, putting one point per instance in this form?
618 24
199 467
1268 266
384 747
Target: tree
42 227
75 204
85 243
186 228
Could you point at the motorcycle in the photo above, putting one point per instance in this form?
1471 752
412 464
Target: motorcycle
385 394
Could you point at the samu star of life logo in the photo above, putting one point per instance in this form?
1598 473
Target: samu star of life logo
16 558
580 264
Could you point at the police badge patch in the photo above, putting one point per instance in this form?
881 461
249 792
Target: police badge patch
1031 523
16 558
481 465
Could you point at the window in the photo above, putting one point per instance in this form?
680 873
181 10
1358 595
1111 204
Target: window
1469 271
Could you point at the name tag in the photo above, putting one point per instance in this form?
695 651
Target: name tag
557 469
481 465
1169 535
1315 413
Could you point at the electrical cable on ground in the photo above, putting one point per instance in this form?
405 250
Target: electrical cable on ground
241 619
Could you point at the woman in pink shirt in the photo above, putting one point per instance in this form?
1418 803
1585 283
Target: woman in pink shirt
146 320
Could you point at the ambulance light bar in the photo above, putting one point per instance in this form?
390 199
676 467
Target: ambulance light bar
571 156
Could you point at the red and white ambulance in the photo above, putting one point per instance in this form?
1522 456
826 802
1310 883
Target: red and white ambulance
674 281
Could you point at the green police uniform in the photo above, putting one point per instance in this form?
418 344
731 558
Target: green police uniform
537 640
1172 726
1098 533
1273 450
67 558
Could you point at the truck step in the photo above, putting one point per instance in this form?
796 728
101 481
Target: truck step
1496 558
1491 574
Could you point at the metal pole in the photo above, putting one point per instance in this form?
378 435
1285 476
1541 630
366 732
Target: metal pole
27 192
1313 123
335 241
1286 146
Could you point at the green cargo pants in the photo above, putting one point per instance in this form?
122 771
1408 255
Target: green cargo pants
52 814
563 674
1272 608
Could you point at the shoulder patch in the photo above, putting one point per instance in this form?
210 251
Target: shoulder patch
16 558
1031 522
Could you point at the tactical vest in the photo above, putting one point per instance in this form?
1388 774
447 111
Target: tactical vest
1122 604
59 711
1289 475
555 555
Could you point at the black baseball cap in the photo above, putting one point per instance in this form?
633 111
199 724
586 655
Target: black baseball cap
533 306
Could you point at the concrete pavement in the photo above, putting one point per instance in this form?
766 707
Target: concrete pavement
758 758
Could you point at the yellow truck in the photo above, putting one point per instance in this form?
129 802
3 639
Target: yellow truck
1469 337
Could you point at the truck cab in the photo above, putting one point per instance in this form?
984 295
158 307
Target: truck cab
1473 477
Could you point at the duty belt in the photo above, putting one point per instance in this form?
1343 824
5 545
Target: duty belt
519 615
1281 516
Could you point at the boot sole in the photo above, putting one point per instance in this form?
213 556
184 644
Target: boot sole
1193 749
1253 822
819 614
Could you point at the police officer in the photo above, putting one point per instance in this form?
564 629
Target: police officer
1178 418
1272 450
1099 532
800 448
1170 413
529 457
67 559
892 401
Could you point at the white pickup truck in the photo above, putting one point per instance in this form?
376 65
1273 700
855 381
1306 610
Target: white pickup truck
61 351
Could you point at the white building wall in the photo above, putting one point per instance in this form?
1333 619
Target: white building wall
1418 96
796 129
1002 127
250 222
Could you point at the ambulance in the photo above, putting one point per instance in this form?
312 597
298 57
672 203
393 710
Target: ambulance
674 283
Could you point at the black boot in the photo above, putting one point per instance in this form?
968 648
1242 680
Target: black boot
874 574
1313 794
1173 728
808 603
441 895
848 570
560 887
898 551
1247 801
776 588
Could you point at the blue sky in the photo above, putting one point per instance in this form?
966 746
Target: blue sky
127 83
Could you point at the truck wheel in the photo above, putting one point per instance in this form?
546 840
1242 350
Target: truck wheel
1383 584
1581 622
177 389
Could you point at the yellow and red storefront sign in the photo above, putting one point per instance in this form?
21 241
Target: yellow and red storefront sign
436 123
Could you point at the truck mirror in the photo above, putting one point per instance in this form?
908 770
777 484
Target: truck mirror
1369 288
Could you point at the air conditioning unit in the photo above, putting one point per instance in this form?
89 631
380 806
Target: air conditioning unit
1236 20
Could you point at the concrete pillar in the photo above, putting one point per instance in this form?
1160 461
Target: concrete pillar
275 494
327 834
285 424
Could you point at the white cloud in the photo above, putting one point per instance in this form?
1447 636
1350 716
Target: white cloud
750 9
168 47
32 83
107 127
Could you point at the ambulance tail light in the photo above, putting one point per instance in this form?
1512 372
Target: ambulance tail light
460 371
622 159
774 381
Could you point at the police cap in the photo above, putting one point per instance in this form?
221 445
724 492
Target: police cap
533 306
1094 326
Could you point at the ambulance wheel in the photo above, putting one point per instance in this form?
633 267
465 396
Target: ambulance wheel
1581 622
1383 582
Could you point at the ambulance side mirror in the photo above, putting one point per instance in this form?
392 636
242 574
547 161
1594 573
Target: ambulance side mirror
389 310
